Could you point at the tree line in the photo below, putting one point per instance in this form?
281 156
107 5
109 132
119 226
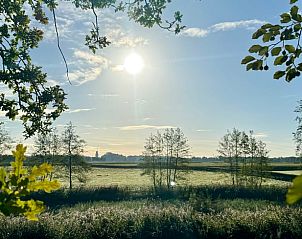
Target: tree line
246 156
165 157
61 149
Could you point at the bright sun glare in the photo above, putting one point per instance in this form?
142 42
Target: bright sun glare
134 64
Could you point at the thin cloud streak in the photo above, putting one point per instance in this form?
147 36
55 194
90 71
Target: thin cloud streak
144 127
203 130
260 135
79 110
223 26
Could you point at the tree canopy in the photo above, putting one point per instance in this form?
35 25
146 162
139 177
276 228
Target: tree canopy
38 104
281 43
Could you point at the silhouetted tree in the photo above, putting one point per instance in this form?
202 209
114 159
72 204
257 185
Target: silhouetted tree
73 147
165 157
247 157
5 140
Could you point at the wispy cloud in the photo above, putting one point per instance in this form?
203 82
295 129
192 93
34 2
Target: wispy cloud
91 58
109 95
222 26
79 110
104 95
195 32
144 127
117 68
203 130
260 135
120 38
82 75
88 66
246 24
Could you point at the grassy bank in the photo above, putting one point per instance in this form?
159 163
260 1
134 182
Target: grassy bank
239 218
219 211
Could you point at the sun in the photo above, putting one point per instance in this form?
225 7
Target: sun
134 64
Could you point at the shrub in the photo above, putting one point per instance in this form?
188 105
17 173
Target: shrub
17 185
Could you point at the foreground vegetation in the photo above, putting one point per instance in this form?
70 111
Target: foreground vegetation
184 212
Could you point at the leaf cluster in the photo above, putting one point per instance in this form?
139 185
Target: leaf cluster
17 185
25 80
281 43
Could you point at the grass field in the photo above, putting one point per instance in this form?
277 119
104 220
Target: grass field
197 212
120 203
121 177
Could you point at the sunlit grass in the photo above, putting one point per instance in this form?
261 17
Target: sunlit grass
122 177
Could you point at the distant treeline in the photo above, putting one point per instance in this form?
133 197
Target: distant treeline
113 157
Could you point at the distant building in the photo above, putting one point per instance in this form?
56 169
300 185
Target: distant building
97 154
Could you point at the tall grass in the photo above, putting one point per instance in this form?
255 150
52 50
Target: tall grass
157 221
184 212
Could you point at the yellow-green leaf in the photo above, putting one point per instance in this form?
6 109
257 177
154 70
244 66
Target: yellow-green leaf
294 193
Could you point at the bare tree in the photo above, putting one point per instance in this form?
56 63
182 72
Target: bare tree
73 147
48 145
298 133
247 157
165 157
262 162
5 140
225 149
48 148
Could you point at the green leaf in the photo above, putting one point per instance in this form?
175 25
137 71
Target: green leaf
285 18
293 1
259 33
291 74
294 11
276 51
280 60
254 65
297 27
290 48
247 59
263 51
279 74
255 48
265 26
294 193
266 37
19 183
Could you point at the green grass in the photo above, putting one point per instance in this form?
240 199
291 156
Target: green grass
189 212
120 203
122 177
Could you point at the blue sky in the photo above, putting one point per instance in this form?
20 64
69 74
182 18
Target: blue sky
193 81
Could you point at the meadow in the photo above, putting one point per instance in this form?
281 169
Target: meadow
125 177
120 203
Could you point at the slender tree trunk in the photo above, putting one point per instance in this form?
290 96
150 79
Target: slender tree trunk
70 171
175 169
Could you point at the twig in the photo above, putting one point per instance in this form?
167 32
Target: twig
59 47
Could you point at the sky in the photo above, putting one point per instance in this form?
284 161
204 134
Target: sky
193 81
